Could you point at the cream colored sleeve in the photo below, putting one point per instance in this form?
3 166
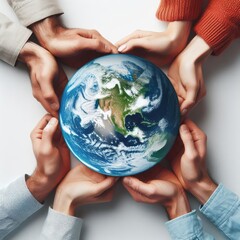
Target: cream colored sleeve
31 11
13 37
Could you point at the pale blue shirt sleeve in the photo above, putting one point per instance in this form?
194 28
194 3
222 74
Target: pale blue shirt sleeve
187 227
59 226
16 205
223 210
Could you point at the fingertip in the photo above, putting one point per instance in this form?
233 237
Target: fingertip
184 128
52 123
122 48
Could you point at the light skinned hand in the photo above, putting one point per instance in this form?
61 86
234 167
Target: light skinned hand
52 156
186 74
82 186
159 185
189 164
47 77
73 46
159 47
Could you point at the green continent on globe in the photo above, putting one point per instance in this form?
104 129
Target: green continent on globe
122 100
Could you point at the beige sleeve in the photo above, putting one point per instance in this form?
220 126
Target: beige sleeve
31 11
13 36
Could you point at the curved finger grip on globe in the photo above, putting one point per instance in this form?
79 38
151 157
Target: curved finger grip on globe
119 115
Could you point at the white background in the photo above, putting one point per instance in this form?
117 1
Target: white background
218 115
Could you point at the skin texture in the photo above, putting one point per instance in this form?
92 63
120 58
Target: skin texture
189 163
52 156
186 74
47 77
159 47
159 185
82 186
75 46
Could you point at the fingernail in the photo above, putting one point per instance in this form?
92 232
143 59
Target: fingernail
121 48
184 111
126 180
54 106
183 128
53 121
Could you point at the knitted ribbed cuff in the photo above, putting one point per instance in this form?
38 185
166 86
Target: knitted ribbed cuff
179 10
217 31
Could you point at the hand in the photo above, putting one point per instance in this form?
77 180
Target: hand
52 155
82 186
189 163
75 46
159 185
45 75
158 47
186 74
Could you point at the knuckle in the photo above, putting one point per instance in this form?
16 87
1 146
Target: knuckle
47 95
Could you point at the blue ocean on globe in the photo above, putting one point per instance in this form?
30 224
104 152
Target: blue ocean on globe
119 115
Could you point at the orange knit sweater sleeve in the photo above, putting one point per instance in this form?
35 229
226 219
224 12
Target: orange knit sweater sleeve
179 10
220 24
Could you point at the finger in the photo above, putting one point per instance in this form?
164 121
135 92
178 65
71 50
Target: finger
186 136
48 132
103 186
132 44
134 35
96 45
49 95
138 186
40 126
199 137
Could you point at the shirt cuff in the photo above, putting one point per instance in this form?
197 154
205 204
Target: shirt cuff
187 227
220 206
18 202
31 11
179 10
13 37
59 226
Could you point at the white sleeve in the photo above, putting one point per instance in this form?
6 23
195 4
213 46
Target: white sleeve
31 11
59 226
13 37
16 205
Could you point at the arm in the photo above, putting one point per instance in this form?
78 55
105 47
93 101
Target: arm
81 186
13 37
17 203
220 205
219 24
159 185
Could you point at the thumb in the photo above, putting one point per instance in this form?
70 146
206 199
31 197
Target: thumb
105 185
49 130
186 136
138 186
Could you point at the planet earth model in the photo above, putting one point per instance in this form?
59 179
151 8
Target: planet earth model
119 115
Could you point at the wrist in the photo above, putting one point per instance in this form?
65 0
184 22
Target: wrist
202 190
197 50
178 205
179 30
46 29
39 186
63 203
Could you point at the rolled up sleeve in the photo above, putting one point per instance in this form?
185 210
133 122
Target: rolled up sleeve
13 37
31 11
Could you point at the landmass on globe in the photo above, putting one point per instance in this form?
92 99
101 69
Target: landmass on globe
119 115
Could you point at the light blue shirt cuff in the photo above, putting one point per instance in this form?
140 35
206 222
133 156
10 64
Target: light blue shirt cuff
223 210
59 226
187 227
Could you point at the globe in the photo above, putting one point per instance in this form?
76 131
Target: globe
119 115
